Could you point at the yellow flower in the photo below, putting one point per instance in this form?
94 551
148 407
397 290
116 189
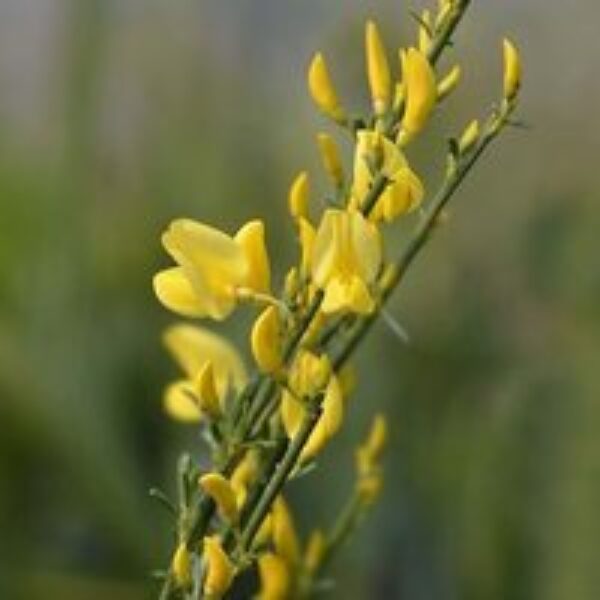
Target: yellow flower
205 390
193 348
222 493
404 191
310 375
274 577
298 196
266 342
212 266
285 538
219 568
322 90
420 90
346 258
512 70
181 566
378 69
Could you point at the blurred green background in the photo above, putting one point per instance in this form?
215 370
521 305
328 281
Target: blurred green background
116 116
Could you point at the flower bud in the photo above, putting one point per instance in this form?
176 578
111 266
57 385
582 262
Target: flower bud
322 91
274 577
512 70
448 84
206 391
331 159
266 341
469 137
378 69
181 566
298 196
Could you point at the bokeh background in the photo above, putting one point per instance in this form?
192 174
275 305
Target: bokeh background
116 116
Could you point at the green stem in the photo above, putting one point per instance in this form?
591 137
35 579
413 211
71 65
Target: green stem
281 472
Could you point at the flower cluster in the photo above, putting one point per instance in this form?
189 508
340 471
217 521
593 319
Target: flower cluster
268 427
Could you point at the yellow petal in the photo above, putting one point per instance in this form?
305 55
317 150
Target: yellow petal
349 294
179 402
221 491
213 262
421 92
181 567
512 70
251 238
285 539
174 291
378 69
298 196
192 347
292 413
274 577
367 247
265 340
219 568
322 90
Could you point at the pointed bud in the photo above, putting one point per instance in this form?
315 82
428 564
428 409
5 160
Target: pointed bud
219 568
331 159
265 340
377 438
469 137
223 495
181 567
512 70
421 93
322 91
298 196
448 84
206 391
378 69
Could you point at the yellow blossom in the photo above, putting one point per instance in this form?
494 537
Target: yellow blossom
193 348
512 70
420 90
181 566
330 157
404 191
222 493
266 340
212 266
322 90
378 69
274 577
219 568
346 258
298 196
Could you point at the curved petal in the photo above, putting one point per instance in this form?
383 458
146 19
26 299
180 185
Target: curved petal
175 291
179 404
325 250
192 347
251 239
367 246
